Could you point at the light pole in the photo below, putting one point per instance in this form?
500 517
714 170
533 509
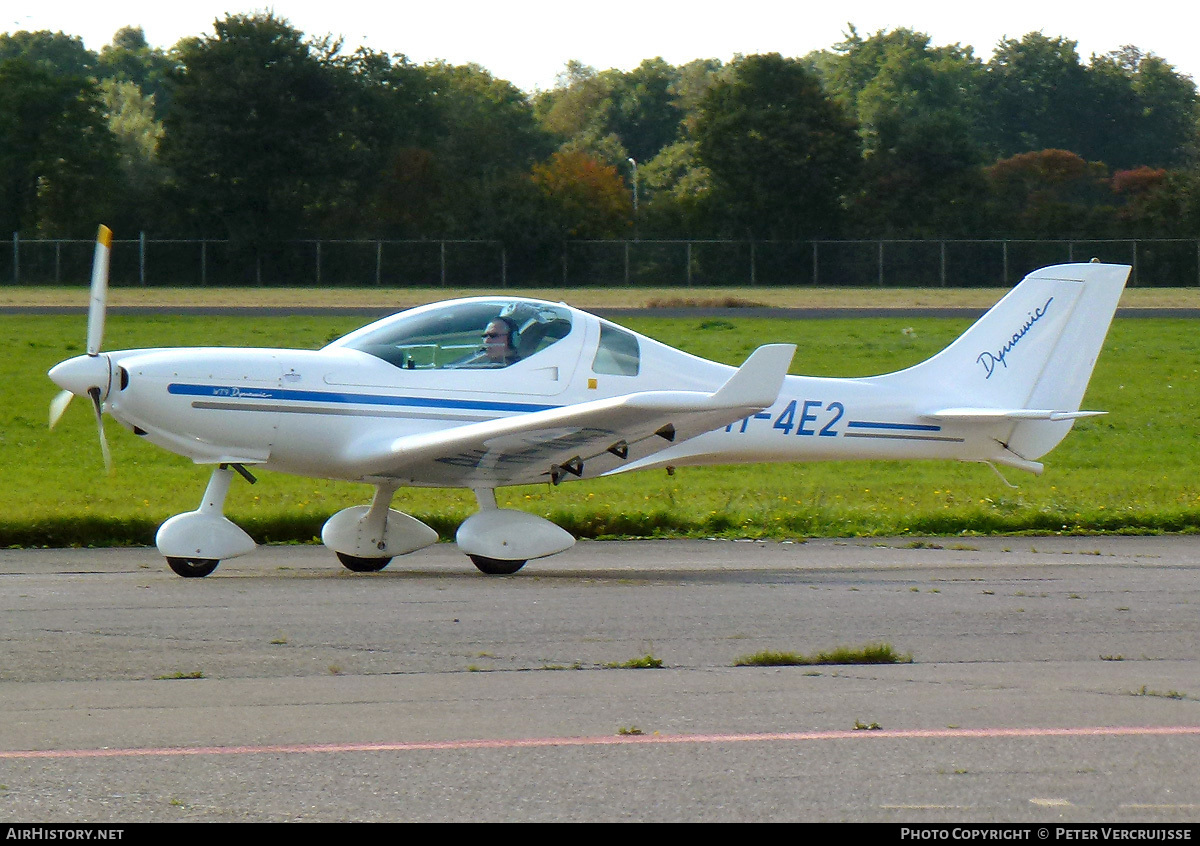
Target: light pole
633 162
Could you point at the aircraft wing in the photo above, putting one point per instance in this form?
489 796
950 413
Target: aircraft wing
583 440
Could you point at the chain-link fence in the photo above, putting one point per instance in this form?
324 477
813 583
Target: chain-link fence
880 263
679 263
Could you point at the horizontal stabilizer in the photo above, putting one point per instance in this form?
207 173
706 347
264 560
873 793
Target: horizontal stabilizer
989 415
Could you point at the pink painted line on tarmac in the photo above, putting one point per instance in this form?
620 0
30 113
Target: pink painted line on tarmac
615 740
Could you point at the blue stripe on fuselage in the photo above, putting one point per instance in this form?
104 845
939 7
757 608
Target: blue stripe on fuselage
235 392
908 427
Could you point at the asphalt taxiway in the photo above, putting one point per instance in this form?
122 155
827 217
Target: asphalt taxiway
1052 679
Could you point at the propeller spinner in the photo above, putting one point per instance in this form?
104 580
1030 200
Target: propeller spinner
90 374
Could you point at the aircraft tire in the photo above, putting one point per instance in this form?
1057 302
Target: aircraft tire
362 565
193 568
495 566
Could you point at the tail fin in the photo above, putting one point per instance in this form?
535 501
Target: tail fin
1028 359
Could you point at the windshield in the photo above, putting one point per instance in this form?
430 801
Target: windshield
473 334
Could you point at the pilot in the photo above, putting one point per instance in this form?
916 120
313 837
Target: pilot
499 345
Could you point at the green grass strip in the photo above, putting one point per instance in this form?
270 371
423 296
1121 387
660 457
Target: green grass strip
874 653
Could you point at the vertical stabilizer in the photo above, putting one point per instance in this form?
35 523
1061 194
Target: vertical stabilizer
1035 349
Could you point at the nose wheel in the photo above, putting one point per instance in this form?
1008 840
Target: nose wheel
194 543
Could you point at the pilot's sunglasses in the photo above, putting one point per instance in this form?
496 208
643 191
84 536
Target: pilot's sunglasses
490 335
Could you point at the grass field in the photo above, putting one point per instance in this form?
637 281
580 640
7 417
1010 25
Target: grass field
1132 471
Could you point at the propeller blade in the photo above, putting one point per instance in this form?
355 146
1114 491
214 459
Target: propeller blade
91 373
58 405
94 393
99 300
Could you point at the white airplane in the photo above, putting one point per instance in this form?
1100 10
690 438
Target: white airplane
491 391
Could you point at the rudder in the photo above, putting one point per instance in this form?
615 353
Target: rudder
1073 358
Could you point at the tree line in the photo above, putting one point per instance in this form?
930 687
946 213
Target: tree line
259 133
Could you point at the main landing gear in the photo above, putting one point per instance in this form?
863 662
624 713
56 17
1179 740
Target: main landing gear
500 540
365 538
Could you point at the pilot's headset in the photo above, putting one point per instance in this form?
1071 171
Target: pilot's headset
514 332
520 317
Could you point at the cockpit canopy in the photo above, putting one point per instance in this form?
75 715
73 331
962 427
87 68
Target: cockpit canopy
468 334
